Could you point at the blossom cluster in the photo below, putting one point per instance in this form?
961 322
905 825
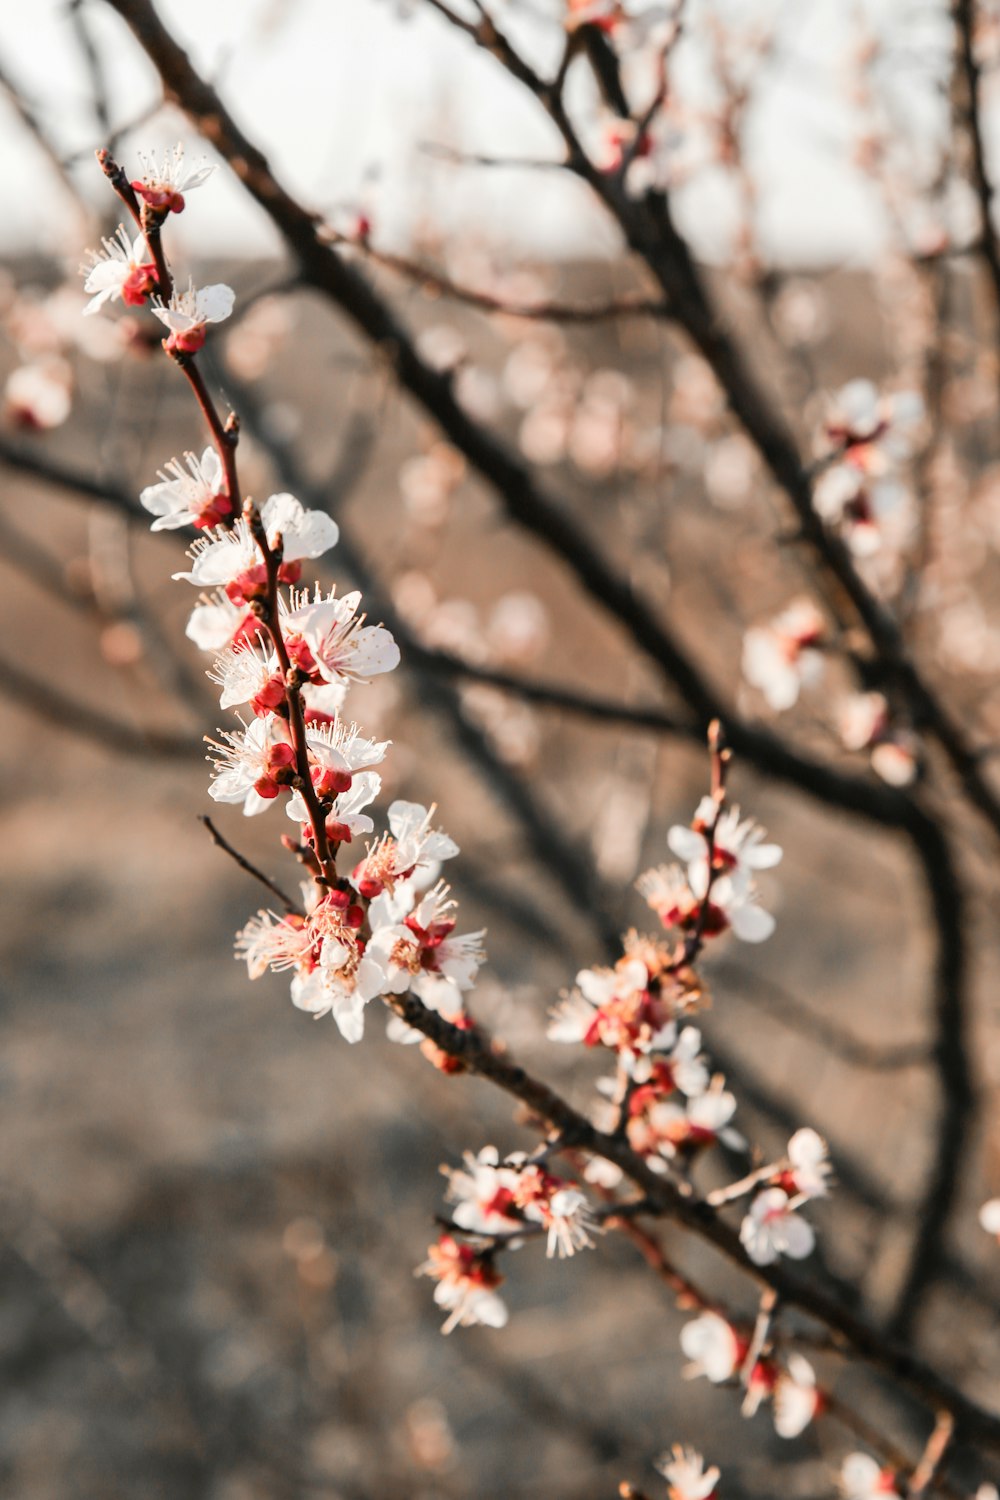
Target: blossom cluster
376 920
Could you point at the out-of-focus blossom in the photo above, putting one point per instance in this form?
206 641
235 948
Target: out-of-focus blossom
39 396
466 1285
781 658
773 1228
809 1169
989 1216
685 1473
862 1478
797 1399
713 1348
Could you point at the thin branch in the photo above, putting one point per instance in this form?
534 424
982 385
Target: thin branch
290 906
629 306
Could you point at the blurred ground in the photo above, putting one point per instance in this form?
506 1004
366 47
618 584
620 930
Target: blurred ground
211 1205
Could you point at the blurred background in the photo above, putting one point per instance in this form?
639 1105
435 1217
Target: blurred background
212 1206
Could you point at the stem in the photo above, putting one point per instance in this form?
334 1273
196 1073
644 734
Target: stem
225 435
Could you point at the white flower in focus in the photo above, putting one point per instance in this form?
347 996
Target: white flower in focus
346 817
304 533
738 849
989 1216
217 622
781 658
417 843
685 1473
123 270
253 766
222 555
862 1478
192 497
345 982
809 1167
329 637
248 673
796 1397
712 1347
272 942
772 1228
454 964
187 315
163 183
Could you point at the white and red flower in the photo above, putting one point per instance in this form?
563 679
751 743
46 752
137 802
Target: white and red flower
328 639
163 183
188 313
863 1478
231 558
782 657
808 1172
773 1228
797 1398
253 766
122 271
466 1285
738 848
195 496
412 845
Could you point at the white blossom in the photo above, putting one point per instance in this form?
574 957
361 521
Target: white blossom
781 657
863 1478
712 1347
247 763
184 497
685 1473
796 1397
738 846
809 1167
989 1216
341 646
122 270
188 311
772 1228
165 181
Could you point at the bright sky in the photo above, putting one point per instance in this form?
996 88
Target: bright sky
339 93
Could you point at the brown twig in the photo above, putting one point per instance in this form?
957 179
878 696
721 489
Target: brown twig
251 869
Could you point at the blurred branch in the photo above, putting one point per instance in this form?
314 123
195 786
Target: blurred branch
964 15
429 280
66 713
793 1013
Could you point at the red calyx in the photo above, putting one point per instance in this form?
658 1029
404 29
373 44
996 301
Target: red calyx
187 340
163 200
139 284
